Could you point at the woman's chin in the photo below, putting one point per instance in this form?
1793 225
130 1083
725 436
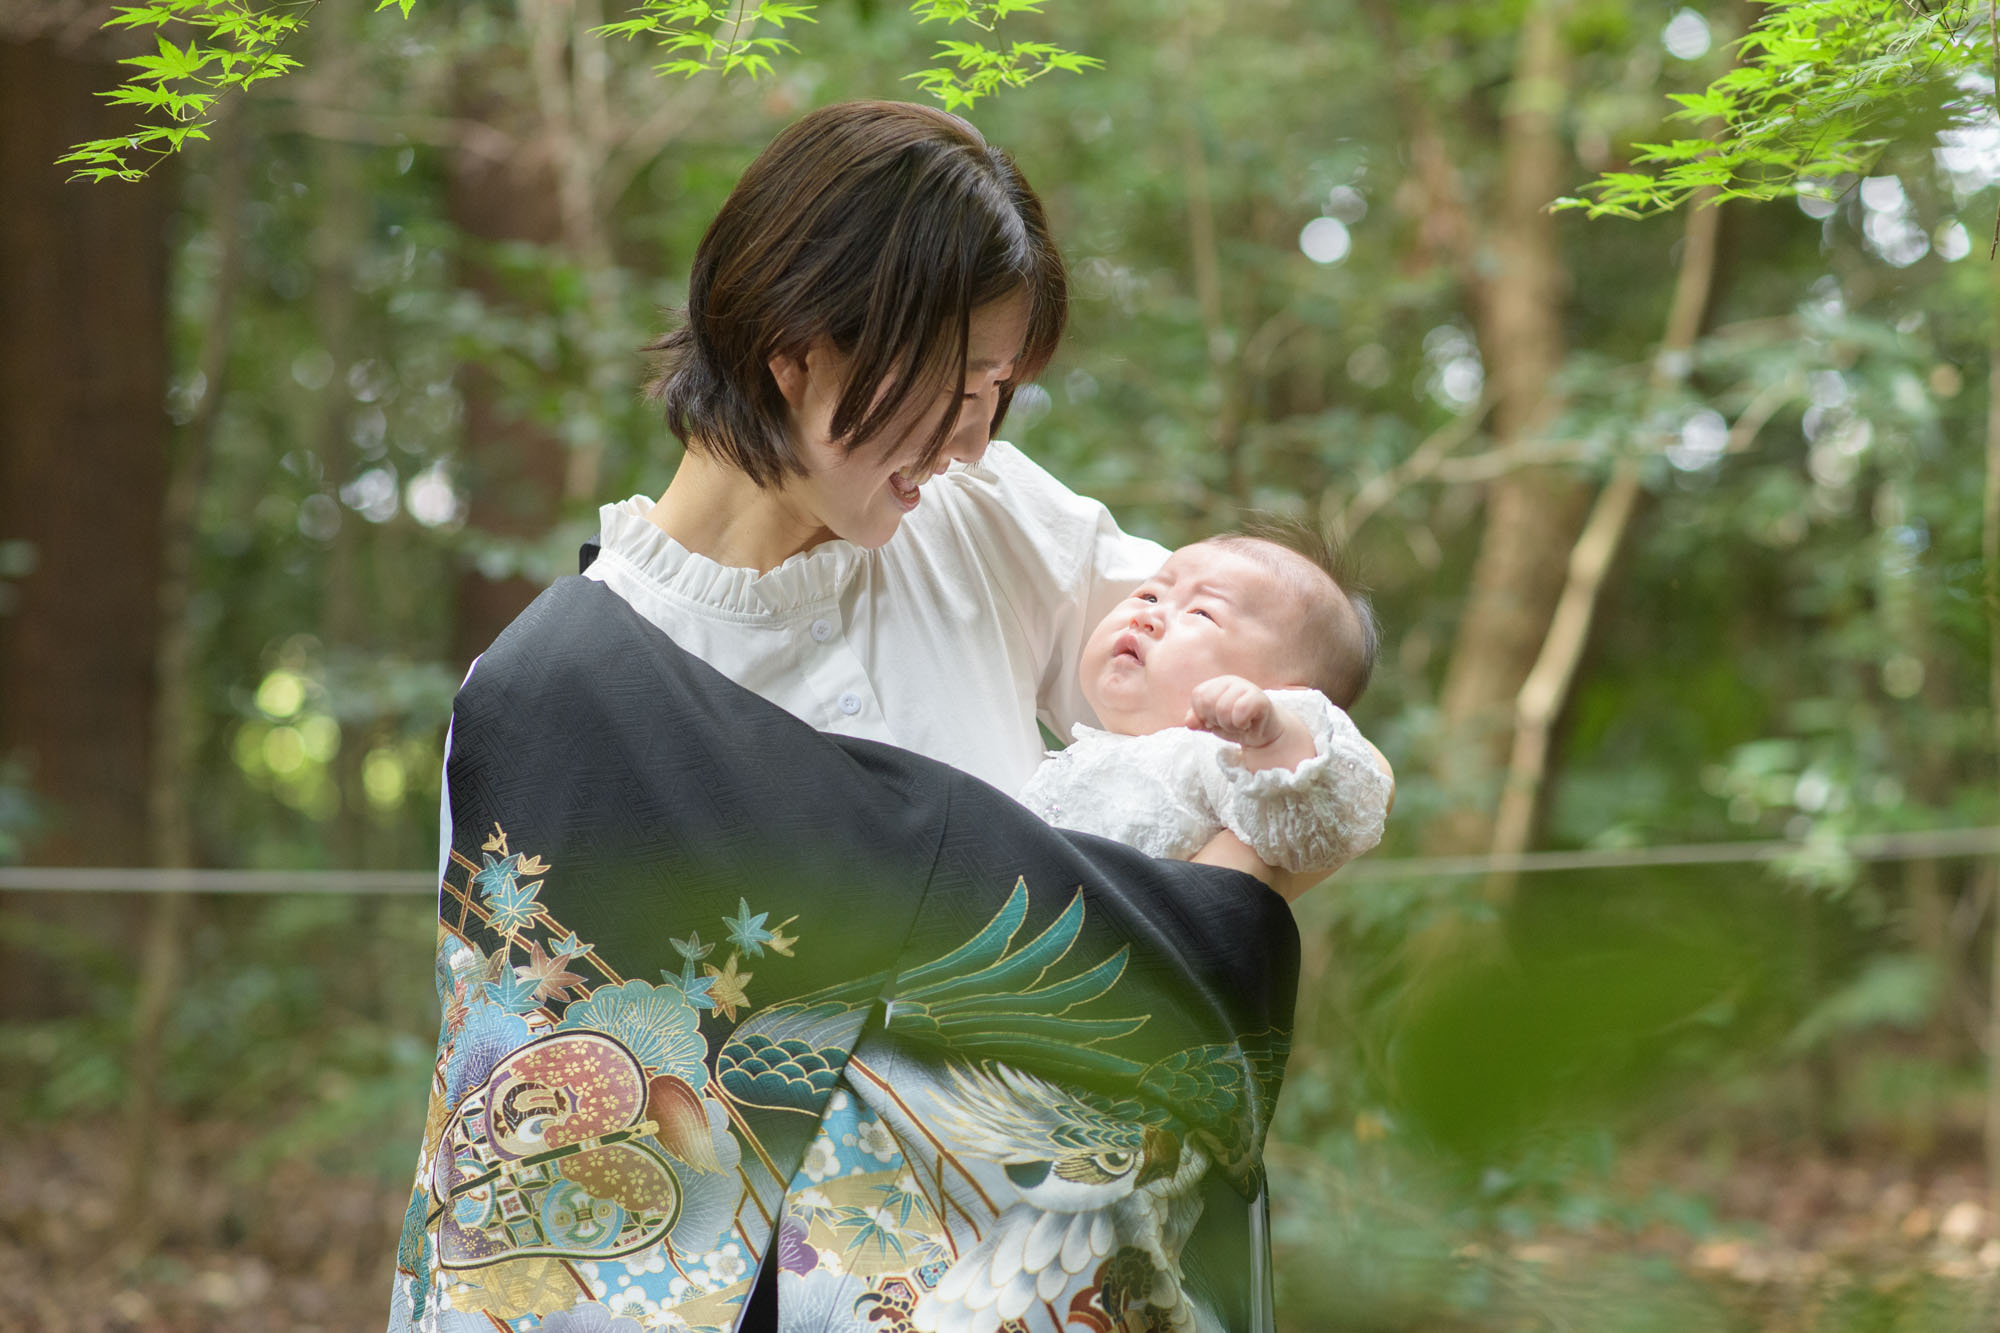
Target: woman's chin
874 532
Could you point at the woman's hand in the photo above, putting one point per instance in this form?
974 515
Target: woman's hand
1236 710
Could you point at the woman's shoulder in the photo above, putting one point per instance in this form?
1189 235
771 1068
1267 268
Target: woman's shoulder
1006 474
1008 509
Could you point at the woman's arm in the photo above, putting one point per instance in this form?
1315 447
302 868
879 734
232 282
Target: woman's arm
1061 562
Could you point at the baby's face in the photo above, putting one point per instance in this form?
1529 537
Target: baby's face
1209 611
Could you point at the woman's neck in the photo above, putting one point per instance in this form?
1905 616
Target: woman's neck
716 511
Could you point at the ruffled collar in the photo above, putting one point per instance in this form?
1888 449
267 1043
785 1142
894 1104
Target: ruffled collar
810 578
1083 731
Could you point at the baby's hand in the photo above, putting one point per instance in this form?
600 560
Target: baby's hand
1238 711
1235 710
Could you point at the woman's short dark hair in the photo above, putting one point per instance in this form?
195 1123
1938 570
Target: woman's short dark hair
881 227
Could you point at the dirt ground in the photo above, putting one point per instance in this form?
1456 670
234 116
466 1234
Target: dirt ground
293 1251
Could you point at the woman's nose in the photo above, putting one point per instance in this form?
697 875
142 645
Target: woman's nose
968 445
974 430
973 433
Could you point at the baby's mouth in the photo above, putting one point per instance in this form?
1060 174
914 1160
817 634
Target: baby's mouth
1127 645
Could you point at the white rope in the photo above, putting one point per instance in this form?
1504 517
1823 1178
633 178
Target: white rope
92 879
1919 846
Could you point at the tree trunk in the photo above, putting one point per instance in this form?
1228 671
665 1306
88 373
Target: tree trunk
83 464
1989 546
514 470
177 722
1547 686
1533 516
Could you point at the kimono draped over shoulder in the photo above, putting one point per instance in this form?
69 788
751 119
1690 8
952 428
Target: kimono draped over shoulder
721 990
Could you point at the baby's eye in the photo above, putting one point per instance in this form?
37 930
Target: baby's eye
1203 614
1146 596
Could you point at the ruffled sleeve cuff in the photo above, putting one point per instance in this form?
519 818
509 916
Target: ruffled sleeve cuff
1318 816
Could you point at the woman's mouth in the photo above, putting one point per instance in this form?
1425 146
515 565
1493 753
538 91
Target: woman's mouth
905 490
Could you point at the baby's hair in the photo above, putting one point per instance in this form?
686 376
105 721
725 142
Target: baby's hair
1339 627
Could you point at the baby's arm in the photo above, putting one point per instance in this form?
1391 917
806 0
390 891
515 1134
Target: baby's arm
1308 793
1227 850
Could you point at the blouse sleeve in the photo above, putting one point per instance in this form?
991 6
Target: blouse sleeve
1060 561
1318 816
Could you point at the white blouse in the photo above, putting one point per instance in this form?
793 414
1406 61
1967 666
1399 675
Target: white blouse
952 639
1169 791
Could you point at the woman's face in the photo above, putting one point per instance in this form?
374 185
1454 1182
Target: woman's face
862 496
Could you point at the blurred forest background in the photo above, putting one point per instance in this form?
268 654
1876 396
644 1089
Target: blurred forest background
289 430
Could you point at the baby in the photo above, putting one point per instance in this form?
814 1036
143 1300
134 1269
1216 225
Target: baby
1222 683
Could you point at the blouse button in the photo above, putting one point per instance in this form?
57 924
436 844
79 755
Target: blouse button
850 703
822 630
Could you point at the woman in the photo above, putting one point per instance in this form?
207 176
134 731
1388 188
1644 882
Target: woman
858 317
977 1071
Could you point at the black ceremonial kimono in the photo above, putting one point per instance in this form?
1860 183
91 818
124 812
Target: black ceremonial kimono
720 989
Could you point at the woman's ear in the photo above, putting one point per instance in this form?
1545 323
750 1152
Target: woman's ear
790 371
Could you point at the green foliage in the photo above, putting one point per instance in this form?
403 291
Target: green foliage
1793 644
1819 90
977 70
706 37
1892 990
270 1029
232 45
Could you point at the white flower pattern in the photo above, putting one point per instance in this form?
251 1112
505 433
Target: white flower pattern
822 1160
726 1265
873 1137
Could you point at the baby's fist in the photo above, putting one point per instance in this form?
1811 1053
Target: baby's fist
1235 710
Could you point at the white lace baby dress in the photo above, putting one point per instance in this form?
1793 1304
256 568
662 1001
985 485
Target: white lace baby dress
1167 793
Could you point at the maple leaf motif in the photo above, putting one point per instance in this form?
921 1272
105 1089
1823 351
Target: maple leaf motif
492 967
747 932
496 873
692 948
548 974
512 906
694 990
781 942
569 946
534 865
513 994
727 988
496 843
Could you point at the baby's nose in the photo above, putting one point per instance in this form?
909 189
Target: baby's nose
1146 617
